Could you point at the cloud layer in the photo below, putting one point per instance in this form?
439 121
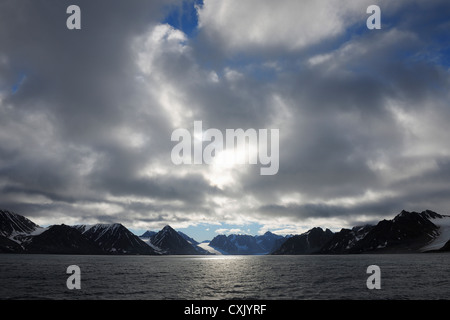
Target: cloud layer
86 116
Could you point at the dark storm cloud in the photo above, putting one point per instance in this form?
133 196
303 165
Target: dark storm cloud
80 76
79 91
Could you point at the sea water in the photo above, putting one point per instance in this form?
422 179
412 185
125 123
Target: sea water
402 276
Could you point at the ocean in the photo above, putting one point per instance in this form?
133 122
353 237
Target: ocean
316 277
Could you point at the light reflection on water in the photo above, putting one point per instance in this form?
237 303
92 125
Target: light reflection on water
421 276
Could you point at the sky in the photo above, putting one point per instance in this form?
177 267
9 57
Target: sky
86 116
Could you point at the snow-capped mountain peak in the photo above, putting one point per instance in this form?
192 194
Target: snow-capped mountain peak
170 241
115 238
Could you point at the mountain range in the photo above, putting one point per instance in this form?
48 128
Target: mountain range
243 244
20 235
407 232
306 243
169 241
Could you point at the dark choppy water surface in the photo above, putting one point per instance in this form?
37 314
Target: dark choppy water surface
414 276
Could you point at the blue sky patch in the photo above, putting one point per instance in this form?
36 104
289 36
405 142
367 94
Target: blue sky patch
184 17
17 85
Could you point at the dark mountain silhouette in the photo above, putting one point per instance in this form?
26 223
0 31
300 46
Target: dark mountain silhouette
344 240
407 232
171 242
62 239
147 234
246 244
115 239
9 246
306 243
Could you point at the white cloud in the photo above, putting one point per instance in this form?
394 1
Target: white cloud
230 231
160 39
287 24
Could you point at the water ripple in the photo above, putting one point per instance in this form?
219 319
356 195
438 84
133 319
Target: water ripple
227 277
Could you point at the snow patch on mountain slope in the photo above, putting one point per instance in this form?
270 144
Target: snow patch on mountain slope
444 234
207 247
17 235
156 248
